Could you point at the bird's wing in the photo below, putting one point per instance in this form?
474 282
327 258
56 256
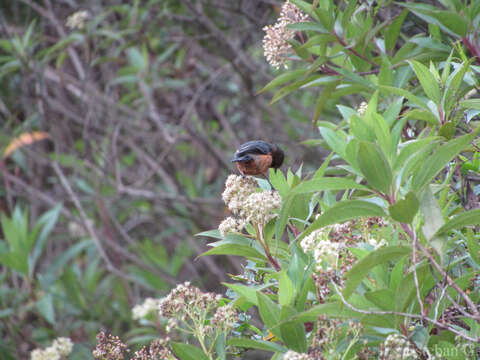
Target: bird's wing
254 147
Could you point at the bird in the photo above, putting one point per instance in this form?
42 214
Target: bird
257 156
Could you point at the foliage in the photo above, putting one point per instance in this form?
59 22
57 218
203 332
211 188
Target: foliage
373 252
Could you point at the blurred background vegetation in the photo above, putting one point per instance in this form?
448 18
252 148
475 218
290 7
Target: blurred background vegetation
117 133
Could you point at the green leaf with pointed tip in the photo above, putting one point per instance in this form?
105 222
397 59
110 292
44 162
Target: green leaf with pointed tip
360 270
427 81
256 344
405 210
343 211
374 167
293 332
393 31
401 92
269 312
439 159
236 250
283 78
286 292
247 292
461 220
188 352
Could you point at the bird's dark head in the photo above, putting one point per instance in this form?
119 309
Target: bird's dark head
277 157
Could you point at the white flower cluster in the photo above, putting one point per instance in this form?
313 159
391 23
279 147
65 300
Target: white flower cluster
275 42
231 225
237 189
225 317
141 310
397 347
362 108
248 205
60 348
292 355
377 244
258 206
77 20
325 252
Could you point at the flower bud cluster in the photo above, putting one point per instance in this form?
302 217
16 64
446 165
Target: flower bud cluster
397 347
248 205
276 45
60 349
141 310
325 252
109 347
186 299
77 20
292 355
237 189
231 225
225 318
362 108
157 350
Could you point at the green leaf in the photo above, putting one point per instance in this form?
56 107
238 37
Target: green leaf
188 352
256 344
335 139
393 31
286 292
358 272
374 167
269 312
440 158
343 211
283 78
323 184
405 210
45 307
235 249
459 221
427 81
450 22
293 332
470 104
401 92
247 292
384 299
473 246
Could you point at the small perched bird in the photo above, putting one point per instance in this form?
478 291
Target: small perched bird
256 157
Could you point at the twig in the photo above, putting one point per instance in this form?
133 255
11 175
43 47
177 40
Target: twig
398 313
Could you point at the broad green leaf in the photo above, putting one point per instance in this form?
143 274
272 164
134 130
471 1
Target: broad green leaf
286 292
439 159
433 220
256 344
343 211
375 167
401 92
283 78
293 332
383 298
46 309
361 129
473 246
323 184
470 104
427 81
382 132
405 210
450 22
335 139
221 347
308 26
247 292
393 31
459 221
269 312
359 271
235 249
188 352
